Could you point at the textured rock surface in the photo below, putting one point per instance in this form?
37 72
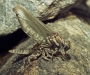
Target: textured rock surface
8 21
71 28
77 32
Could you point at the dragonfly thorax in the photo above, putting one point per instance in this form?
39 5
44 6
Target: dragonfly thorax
55 40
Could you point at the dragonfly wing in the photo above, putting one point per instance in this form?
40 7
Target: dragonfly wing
30 24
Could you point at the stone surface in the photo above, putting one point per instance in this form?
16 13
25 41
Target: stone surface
8 21
72 28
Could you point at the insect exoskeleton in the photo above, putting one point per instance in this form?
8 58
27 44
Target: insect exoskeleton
36 29
55 40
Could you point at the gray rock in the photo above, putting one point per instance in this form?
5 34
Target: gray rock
72 28
8 21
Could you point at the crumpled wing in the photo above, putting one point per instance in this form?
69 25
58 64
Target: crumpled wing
32 26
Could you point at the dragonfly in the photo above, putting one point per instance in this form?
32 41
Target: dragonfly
49 43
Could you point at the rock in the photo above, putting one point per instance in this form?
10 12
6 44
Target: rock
72 28
8 20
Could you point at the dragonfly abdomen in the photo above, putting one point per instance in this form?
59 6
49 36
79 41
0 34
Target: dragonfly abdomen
30 32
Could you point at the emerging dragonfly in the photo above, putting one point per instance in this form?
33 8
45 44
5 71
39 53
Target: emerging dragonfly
49 43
